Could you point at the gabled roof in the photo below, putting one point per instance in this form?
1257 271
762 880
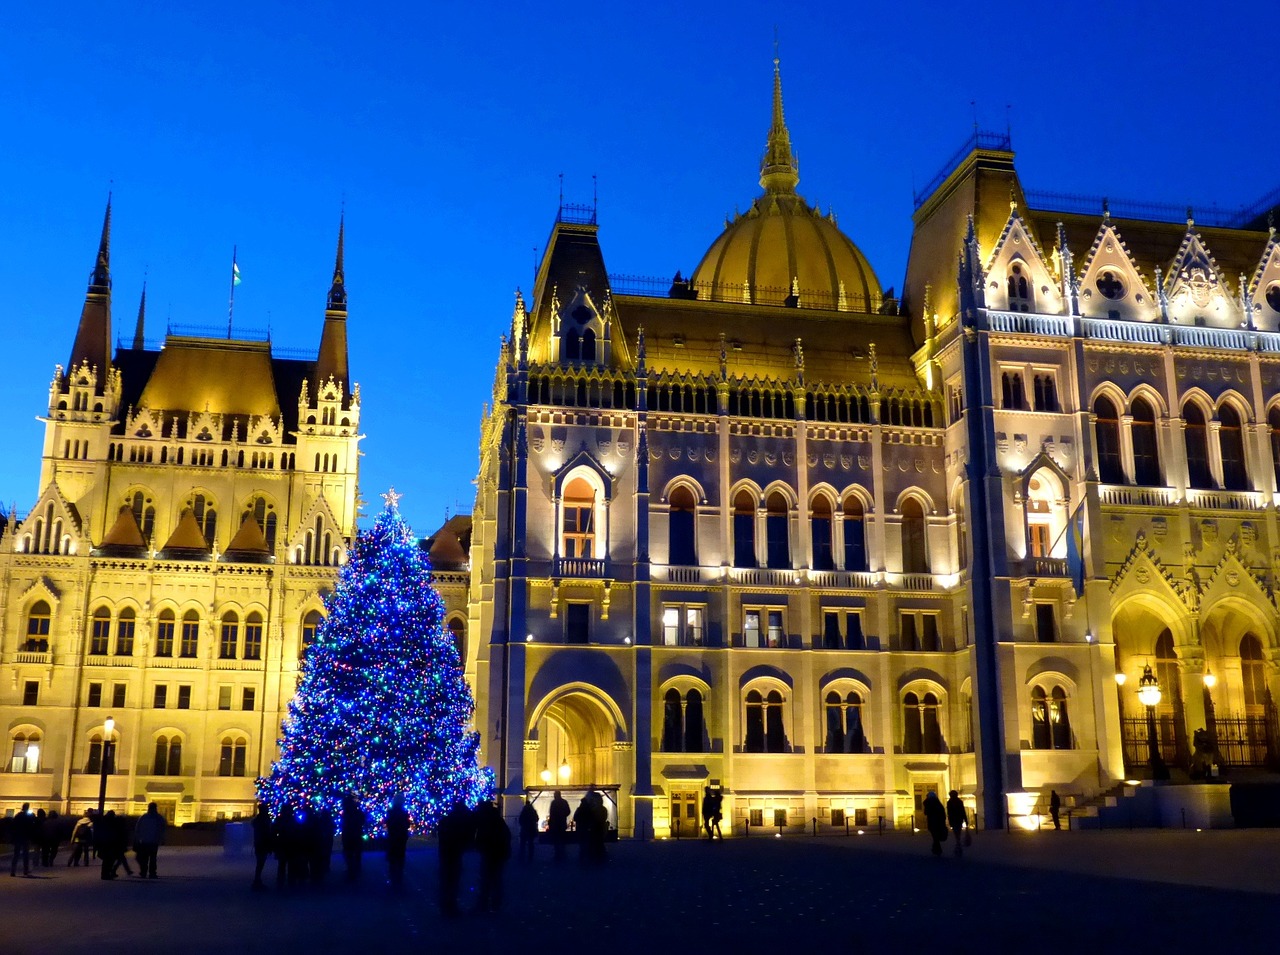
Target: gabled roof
124 533
187 536
249 541
449 546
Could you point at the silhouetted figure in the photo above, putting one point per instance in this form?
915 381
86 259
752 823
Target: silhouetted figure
52 838
528 830
81 839
39 835
935 818
397 840
1055 807
708 809
456 831
288 847
20 832
558 823
318 831
148 837
957 818
352 836
599 826
493 841
264 838
111 840
717 813
584 821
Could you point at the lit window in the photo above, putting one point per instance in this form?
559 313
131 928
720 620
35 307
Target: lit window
230 640
25 753
164 634
682 625
579 519
1050 723
125 627
253 636
100 632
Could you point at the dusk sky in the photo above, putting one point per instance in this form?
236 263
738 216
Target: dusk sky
444 127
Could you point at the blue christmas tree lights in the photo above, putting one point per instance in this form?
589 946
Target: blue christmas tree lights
382 707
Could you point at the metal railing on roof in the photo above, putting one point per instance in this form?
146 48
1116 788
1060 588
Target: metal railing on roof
219 331
980 139
576 214
738 293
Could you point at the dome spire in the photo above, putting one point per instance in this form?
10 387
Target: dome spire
779 173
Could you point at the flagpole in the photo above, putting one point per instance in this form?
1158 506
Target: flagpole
231 304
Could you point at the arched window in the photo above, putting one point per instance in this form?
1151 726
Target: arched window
1050 722
168 756
855 535
1197 443
125 628
681 549
253 636
915 557
844 723
458 630
820 533
693 722
100 632
1146 451
755 723
1167 673
165 626
588 345
572 345
1107 431
1253 674
775 735
579 519
310 629
672 722
1273 421
1013 394
1235 476
25 752
190 644
144 513
265 514
231 756
778 551
744 529
206 516
230 637
1020 297
922 730
38 619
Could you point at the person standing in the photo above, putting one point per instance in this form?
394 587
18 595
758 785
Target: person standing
708 810
558 823
528 830
717 813
81 839
935 818
52 838
455 832
352 836
397 840
1055 808
584 820
263 842
493 840
21 831
148 837
957 818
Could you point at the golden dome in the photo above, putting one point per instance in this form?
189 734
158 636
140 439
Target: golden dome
782 251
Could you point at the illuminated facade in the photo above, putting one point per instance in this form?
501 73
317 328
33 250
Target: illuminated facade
769 528
196 500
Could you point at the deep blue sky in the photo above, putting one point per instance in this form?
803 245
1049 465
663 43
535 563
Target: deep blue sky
444 126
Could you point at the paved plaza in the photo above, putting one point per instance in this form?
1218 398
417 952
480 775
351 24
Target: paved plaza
1087 891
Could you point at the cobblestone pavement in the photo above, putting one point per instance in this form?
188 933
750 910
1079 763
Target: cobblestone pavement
1096 892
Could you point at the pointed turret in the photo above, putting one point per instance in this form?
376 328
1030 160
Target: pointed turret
139 330
779 172
93 337
332 359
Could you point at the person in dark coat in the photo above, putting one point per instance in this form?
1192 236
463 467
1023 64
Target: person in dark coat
21 831
397 840
264 838
493 841
528 830
288 847
708 810
957 818
352 836
599 826
40 835
148 837
455 832
52 838
558 823
935 818
584 821
1055 807
717 814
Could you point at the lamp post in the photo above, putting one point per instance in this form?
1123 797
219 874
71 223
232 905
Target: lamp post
1149 696
108 727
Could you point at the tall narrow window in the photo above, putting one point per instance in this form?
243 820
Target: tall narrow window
854 638
1020 297
907 625
125 627
190 634
672 722
229 640
820 533
755 723
775 735
1253 675
1146 450
693 722
38 618
751 628
1107 430
1040 736
912 737
929 633
577 622
1273 421
744 529
310 627
1012 393
855 740
1197 446
931 728
831 639
206 516
1044 392
680 529
777 533
915 558
100 632
855 535
579 519
1046 628
835 723
164 634
1235 476
144 514
458 631
253 636
1059 719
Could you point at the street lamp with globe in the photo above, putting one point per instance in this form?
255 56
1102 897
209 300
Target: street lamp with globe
1149 696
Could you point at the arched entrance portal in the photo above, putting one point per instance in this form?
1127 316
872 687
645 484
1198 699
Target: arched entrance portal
1145 638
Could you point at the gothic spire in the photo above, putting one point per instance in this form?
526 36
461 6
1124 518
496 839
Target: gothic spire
139 338
779 173
338 291
93 336
332 358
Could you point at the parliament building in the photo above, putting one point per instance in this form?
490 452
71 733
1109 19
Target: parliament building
771 529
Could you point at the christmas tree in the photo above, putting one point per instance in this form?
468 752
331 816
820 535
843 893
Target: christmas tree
382 707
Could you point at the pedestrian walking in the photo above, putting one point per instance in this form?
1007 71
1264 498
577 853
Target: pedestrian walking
935 818
39 835
148 837
957 818
352 836
81 839
397 840
493 841
52 838
558 823
528 830
20 832
1055 807
717 813
263 843
455 833
708 809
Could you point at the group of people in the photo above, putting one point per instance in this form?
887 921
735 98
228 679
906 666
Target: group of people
938 819
486 831
712 812
105 836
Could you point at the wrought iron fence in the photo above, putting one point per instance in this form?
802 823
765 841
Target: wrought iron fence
1241 740
1137 749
